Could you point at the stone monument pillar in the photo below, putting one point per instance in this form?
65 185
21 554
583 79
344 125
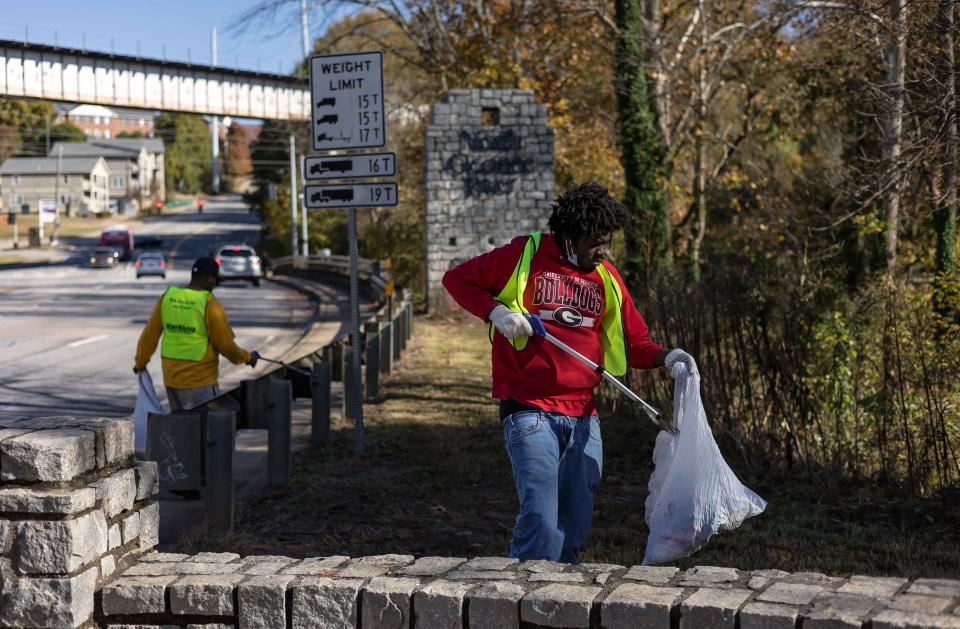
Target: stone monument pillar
489 177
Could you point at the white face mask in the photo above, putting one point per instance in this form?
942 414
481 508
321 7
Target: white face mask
574 259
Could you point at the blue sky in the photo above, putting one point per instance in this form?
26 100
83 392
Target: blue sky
183 26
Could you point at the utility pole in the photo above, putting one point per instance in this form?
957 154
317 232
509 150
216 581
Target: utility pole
214 126
304 28
293 196
56 194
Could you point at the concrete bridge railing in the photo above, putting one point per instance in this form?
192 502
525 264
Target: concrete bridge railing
78 527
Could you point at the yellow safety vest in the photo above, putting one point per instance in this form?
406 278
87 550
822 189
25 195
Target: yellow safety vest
611 325
183 312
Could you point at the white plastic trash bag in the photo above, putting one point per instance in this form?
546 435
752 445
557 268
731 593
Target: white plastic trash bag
693 492
147 402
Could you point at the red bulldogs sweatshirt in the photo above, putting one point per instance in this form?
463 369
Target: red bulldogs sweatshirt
571 303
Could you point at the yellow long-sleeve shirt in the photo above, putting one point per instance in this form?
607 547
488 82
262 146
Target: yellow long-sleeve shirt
187 374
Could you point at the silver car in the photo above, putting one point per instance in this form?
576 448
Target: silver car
151 264
238 262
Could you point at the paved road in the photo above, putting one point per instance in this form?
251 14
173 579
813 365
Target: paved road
68 333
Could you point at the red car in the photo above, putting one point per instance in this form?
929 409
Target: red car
119 237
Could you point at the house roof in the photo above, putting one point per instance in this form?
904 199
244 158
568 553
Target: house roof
124 147
147 114
92 110
83 110
96 148
48 165
154 145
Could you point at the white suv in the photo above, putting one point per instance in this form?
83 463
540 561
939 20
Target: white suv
238 262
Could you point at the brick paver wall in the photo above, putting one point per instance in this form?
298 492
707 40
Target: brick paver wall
399 591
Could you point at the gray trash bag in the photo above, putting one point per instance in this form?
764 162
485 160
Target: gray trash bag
147 402
693 492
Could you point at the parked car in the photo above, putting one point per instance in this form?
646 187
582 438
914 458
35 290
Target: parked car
104 258
238 261
152 263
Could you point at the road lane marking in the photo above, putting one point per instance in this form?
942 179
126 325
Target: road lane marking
91 339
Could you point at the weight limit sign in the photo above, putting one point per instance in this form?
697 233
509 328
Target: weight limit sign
347 107
335 196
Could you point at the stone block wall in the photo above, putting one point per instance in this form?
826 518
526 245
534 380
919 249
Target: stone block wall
75 507
78 527
399 592
489 158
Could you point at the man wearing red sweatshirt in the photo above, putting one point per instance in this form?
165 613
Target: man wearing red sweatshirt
550 426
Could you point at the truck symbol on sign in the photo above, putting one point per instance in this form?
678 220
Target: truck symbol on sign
342 194
340 165
327 102
329 119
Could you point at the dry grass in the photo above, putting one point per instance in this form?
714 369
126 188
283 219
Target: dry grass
435 481
72 226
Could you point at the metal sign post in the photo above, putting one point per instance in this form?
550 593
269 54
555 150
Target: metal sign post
348 113
355 334
293 196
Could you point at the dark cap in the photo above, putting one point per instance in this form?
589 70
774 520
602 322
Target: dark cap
206 266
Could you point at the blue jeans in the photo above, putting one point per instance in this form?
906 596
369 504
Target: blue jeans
557 463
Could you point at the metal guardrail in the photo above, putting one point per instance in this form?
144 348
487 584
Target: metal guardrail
368 270
265 402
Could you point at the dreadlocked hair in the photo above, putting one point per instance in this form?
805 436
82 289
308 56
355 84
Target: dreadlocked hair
586 209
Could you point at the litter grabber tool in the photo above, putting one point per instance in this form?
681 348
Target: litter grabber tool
300 371
655 416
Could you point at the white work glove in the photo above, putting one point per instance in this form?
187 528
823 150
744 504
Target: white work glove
509 323
678 362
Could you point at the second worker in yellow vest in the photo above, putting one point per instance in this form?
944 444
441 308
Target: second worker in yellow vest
195 332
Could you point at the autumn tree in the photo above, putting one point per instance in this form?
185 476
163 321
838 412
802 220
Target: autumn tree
66 132
648 235
947 287
187 156
28 125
